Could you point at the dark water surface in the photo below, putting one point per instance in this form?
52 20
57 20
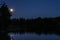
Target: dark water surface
33 36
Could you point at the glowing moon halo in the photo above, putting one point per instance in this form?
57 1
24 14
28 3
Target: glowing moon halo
11 10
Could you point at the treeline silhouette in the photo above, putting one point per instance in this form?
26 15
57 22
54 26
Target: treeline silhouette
37 25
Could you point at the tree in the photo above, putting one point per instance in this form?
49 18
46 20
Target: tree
5 17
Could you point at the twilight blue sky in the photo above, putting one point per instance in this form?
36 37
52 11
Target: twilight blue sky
34 8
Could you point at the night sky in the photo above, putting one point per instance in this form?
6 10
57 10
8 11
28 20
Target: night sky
34 8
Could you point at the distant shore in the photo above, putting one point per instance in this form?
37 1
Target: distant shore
37 25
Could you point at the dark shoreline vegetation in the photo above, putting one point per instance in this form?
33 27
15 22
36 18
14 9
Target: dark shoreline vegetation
37 25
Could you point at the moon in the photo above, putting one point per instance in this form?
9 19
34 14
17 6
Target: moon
11 10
